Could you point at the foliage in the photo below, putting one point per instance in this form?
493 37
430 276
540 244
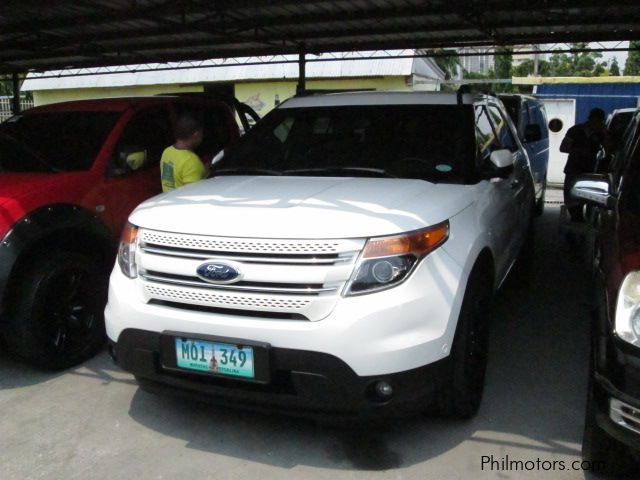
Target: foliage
577 64
447 59
526 68
614 69
632 65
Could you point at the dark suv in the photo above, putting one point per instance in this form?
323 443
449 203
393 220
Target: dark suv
70 174
612 426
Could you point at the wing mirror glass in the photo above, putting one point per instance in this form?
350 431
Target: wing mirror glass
501 159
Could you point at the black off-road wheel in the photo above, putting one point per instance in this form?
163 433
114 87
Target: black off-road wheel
460 393
56 314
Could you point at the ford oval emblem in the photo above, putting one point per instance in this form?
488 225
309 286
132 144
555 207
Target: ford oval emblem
218 272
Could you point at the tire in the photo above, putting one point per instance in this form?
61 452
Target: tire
460 392
538 210
608 456
56 317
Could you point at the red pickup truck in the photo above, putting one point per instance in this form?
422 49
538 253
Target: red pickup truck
70 174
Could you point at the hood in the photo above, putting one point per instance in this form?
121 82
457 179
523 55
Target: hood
302 207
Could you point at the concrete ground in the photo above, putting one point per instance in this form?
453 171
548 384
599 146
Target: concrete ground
92 422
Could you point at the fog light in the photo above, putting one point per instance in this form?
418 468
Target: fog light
384 391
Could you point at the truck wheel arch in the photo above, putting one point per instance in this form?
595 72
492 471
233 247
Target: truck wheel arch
61 227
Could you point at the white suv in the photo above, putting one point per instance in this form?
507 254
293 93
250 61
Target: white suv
341 259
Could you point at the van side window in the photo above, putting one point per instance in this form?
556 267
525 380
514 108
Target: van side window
486 138
538 117
503 132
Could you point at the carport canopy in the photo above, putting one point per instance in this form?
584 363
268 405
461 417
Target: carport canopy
39 36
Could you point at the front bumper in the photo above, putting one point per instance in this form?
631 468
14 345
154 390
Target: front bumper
395 330
304 381
617 379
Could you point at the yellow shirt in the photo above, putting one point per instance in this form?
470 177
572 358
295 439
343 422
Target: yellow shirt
179 167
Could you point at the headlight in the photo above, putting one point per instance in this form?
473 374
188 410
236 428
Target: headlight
388 261
628 309
127 251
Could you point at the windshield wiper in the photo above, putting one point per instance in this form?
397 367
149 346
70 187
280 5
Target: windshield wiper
371 172
244 171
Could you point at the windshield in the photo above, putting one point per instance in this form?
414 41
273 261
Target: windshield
15 157
66 141
429 142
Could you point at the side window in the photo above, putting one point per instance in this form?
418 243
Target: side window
503 132
486 140
539 118
631 183
148 130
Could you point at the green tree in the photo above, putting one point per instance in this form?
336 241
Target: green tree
577 64
614 69
632 65
503 65
447 59
526 68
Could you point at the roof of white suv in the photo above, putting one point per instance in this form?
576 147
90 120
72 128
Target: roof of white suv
379 98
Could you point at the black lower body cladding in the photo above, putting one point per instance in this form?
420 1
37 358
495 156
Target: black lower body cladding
300 382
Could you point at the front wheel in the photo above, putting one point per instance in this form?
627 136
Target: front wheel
460 393
56 317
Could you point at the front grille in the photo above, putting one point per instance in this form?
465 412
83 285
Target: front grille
245 302
288 277
240 245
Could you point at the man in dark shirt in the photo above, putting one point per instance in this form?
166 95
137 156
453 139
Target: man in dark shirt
582 142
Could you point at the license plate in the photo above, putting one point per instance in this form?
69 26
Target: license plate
214 357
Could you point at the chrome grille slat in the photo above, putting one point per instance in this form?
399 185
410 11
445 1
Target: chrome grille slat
240 288
241 245
243 302
625 415
338 259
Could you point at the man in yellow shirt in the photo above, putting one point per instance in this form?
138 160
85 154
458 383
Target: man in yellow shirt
179 164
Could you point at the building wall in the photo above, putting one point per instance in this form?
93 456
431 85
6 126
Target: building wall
259 95
44 97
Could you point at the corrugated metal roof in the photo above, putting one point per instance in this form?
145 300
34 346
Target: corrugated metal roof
75 34
233 70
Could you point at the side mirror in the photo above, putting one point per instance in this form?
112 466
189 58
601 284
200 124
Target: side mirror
594 189
532 133
501 159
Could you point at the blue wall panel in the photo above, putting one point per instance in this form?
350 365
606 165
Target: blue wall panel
608 96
